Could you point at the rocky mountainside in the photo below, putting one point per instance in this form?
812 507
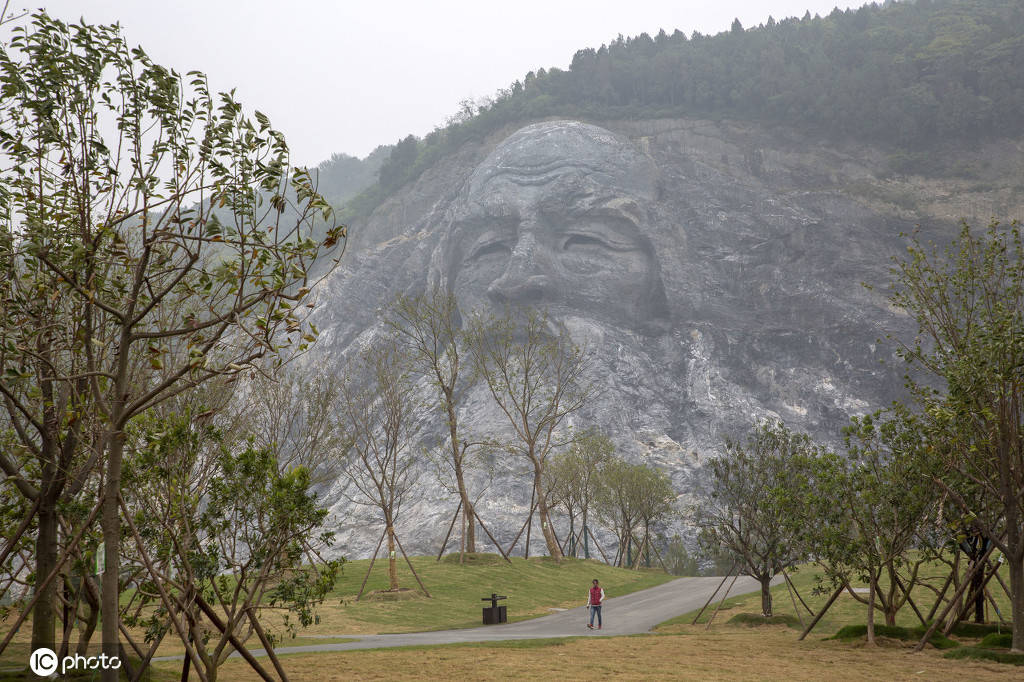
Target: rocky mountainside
713 271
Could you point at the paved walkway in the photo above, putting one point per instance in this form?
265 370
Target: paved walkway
631 614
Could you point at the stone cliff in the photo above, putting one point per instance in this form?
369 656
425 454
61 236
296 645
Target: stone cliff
714 272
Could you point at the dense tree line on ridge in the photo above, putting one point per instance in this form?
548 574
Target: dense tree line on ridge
904 74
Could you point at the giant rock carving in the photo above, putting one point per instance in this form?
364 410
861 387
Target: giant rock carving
708 296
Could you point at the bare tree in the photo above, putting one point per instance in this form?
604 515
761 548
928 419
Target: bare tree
428 328
536 377
376 416
289 409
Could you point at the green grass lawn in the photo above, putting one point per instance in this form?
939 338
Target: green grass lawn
533 586
846 610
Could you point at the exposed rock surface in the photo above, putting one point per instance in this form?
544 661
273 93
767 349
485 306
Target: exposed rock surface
713 272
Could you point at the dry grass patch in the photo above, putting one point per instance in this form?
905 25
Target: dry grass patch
732 654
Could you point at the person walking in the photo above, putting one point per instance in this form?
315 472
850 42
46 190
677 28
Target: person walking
595 597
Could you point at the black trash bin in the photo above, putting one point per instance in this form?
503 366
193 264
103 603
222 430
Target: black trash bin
494 614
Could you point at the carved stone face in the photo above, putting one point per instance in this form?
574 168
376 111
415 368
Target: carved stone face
557 217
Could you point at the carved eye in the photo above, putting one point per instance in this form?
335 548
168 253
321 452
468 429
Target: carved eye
494 248
576 241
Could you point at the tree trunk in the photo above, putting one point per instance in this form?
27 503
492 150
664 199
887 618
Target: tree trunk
586 540
468 513
44 613
766 595
647 545
85 635
457 455
1017 599
889 604
111 524
1011 495
872 588
977 587
392 561
554 551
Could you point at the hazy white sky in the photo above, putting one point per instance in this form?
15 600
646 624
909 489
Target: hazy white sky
349 75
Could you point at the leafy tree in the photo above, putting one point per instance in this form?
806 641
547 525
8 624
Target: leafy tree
678 560
222 534
655 502
575 477
968 302
537 381
871 509
152 237
615 504
630 498
754 499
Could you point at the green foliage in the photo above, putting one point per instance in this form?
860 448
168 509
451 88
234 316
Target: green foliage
573 476
997 640
756 619
677 559
851 633
906 74
143 222
226 523
342 177
473 559
872 508
968 302
977 630
979 654
756 501
631 498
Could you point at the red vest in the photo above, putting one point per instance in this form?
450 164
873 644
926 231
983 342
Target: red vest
595 596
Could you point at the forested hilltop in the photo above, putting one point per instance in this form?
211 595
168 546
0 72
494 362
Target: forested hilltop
907 75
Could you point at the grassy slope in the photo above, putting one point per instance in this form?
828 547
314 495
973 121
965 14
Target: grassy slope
845 611
533 587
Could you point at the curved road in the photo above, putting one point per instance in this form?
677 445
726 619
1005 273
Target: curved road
631 614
